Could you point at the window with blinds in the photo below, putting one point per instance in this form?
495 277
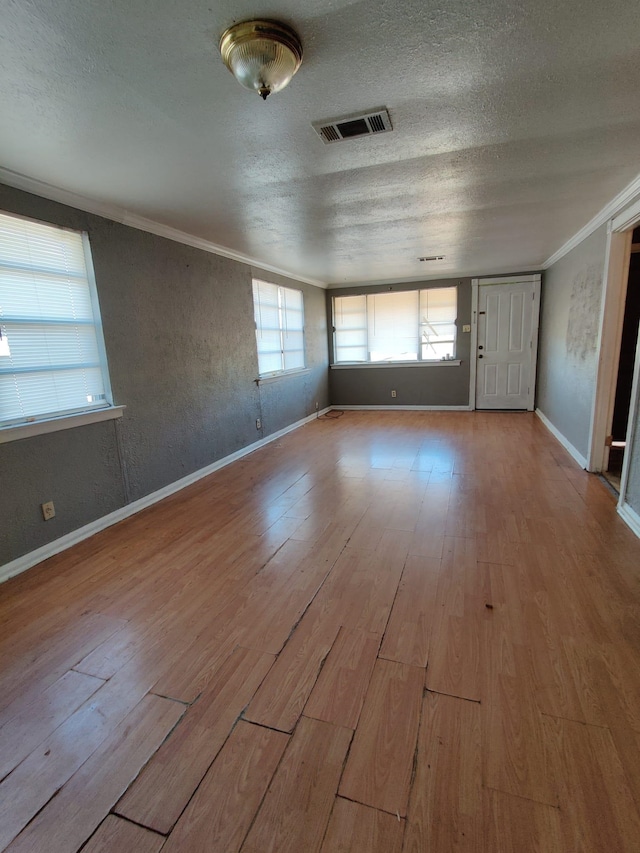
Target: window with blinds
408 325
279 317
51 351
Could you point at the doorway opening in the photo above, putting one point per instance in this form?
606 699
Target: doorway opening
624 381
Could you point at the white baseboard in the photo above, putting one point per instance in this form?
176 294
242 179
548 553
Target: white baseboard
630 517
580 459
393 408
21 564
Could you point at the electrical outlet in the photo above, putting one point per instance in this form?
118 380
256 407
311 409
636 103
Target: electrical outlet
393 394
317 406
258 423
48 510
466 328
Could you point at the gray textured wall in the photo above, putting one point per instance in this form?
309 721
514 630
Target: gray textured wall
633 482
569 324
179 333
436 385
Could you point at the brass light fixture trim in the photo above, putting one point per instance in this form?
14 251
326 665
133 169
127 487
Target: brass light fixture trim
262 55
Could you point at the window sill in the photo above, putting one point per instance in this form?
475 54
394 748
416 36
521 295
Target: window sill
359 365
14 433
276 377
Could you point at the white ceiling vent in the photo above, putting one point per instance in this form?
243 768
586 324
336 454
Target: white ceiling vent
349 127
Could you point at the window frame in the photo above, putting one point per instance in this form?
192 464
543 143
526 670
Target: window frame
419 361
55 420
281 289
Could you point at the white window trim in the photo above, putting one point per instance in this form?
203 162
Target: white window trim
283 374
52 421
47 425
368 365
277 374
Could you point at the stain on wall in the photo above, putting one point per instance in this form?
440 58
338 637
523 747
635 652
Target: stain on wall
584 312
180 339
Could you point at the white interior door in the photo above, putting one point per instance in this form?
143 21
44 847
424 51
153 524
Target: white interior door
507 326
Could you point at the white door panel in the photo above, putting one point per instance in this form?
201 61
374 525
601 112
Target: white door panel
504 371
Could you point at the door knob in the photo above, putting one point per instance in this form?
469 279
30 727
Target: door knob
480 356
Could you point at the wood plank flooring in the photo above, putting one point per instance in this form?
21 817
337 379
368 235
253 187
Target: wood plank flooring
387 632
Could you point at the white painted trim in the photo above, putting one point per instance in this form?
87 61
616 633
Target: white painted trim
21 564
510 279
14 433
535 327
454 362
614 207
631 426
473 353
614 291
582 462
627 218
630 517
284 374
401 408
124 217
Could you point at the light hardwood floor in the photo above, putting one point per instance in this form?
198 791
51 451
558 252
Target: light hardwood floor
411 631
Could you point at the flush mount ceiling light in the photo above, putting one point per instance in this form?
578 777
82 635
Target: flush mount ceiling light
261 55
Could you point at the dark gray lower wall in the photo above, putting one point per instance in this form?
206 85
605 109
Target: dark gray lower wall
180 339
78 469
569 324
435 385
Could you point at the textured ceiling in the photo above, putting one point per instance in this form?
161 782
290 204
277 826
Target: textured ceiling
515 123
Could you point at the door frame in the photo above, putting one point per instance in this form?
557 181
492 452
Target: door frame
614 292
476 283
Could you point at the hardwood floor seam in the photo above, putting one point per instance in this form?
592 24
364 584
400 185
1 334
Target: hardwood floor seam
265 726
453 696
396 814
573 720
134 823
556 806
173 699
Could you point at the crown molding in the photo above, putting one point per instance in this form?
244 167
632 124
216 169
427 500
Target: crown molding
447 276
608 211
124 217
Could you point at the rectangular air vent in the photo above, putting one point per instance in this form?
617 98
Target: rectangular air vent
351 127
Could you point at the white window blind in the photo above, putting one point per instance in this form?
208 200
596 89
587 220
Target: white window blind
413 325
279 317
438 314
350 322
50 355
393 326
